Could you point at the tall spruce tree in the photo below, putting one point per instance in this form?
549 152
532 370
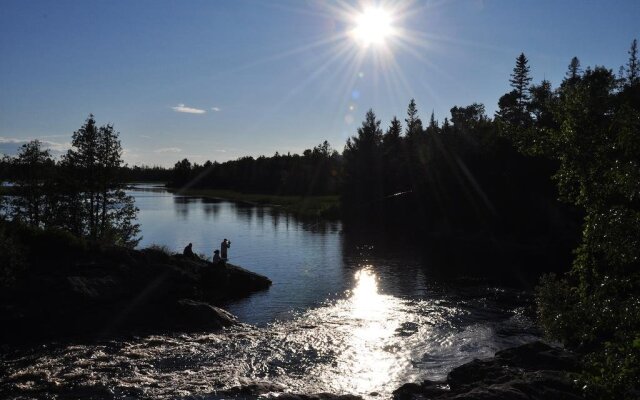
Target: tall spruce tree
106 212
520 80
574 70
633 67
414 123
363 188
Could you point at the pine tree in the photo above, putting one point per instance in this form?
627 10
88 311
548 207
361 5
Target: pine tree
106 212
633 67
520 80
432 128
32 165
414 124
363 180
513 106
574 72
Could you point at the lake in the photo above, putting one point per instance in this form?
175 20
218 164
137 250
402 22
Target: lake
347 313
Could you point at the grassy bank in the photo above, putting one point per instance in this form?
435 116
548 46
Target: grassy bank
304 206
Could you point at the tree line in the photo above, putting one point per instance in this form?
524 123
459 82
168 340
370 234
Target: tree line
315 172
82 193
590 126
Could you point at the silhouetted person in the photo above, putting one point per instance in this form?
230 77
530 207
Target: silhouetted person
188 251
217 260
223 249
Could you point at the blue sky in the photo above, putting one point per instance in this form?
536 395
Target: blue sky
222 79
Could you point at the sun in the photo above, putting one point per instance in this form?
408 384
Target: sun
372 27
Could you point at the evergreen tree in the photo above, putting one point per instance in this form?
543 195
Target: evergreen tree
32 166
393 158
414 124
633 67
520 80
594 138
363 188
106 211
574 71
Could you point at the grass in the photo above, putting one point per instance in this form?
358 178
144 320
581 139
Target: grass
327 207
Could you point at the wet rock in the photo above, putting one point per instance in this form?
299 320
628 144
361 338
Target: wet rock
426 389
535 371
203 315
318 396
255 390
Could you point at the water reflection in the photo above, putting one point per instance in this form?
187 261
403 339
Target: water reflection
366 343
368 358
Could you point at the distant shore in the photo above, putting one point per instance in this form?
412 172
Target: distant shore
327 207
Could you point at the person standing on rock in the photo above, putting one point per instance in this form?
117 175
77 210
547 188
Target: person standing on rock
223 249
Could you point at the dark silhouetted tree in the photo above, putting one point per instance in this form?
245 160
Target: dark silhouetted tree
32 172
108 214
633 67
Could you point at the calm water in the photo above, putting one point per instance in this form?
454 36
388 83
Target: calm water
344 315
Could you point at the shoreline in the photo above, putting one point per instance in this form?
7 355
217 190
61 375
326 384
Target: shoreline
325 207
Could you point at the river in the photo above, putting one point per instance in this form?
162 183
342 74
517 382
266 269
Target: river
344 315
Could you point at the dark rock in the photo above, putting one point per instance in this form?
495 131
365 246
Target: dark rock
318 396
534 371
95 288
104 290
537 355
426 389
255 390
195 313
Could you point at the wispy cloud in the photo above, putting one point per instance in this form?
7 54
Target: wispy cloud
10 146
168 150
216 109
189 110
145 136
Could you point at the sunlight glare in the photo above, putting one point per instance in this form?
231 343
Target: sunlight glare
373 26
376 323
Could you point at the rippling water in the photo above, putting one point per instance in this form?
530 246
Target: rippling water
341 317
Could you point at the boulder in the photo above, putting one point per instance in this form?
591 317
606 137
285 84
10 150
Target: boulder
255 390
534 371
191 313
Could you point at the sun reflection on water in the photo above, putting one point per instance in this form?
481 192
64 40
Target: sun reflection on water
368 359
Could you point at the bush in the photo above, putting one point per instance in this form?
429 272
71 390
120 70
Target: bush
12 261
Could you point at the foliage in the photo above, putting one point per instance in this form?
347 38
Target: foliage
12 260
160 248
81 194
458 179
314 173
591 126
33 165
94 161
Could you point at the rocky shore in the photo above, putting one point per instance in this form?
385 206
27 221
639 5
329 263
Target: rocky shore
79 290
535 371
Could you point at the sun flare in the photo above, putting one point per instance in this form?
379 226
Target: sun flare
372 26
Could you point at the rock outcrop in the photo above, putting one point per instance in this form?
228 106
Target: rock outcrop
534 371
106 290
